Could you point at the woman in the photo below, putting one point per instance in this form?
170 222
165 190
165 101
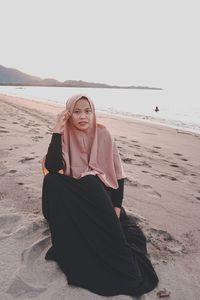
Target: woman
93 240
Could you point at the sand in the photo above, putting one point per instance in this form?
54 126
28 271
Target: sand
162 192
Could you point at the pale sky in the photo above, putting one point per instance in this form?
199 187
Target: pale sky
124 42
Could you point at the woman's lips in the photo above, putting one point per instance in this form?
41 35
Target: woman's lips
83 123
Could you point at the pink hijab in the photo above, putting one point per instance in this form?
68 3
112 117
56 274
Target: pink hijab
92 151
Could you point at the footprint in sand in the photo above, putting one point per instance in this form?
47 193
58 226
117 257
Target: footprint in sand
192 182
34 130
152 151
30 255
138 155
178 154
12 171
29 280
27 230
9 222
2 196
134 141
19 287
168 177
124 142
174 165
4 131
151 190
172 178
143 164
157 147
127 160
36 138
26 159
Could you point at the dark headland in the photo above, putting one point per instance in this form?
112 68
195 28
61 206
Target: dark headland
10 76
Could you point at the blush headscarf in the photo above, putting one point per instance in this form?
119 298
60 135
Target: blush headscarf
91 151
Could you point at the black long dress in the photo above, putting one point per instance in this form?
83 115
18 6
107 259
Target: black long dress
96 250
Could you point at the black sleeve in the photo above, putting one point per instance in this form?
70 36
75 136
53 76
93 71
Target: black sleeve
118 194
54 161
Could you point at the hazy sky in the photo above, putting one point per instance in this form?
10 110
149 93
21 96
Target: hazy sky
152 42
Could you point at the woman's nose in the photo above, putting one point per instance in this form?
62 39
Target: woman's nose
83 115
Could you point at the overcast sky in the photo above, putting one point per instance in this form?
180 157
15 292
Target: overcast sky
152 42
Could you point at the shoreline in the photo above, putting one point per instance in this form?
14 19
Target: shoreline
151 120
175 124
161 191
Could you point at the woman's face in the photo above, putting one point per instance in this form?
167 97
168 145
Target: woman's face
82 116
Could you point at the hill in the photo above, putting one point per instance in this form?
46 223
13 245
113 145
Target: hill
9 76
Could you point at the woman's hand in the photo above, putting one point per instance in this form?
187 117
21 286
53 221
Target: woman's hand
117 210
61 119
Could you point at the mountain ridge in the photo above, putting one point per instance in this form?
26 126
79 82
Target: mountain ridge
11 76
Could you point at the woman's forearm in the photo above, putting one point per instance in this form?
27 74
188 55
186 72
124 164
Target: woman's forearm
118 194
54 161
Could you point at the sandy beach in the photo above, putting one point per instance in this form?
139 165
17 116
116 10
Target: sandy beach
162 192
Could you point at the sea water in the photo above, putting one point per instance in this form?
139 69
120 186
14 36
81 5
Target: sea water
174 110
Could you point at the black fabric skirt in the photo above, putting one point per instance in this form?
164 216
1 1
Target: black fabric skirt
93 247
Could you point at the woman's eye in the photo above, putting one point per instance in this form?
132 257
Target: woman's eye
78 112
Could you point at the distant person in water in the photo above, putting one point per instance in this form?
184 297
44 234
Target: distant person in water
156 109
